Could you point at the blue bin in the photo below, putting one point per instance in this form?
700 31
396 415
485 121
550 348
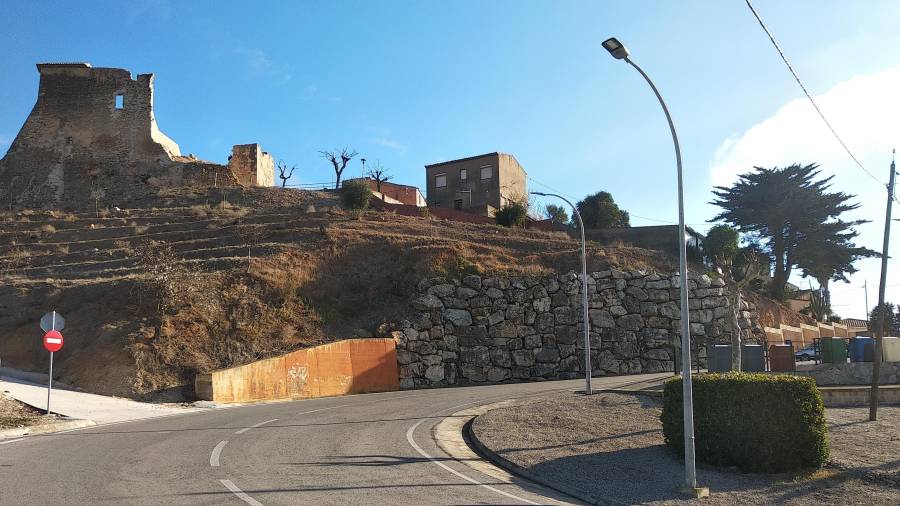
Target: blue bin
862 349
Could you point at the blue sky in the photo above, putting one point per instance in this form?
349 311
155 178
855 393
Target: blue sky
411 83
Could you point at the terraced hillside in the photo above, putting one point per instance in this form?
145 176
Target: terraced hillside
187 280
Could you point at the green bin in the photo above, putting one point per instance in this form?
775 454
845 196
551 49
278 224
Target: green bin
833 350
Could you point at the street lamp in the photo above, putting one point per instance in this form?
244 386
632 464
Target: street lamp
620 52
584 289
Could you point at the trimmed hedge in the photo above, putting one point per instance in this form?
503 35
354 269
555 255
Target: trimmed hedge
757 422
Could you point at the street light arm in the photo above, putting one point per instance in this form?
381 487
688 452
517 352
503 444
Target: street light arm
584 289
690 467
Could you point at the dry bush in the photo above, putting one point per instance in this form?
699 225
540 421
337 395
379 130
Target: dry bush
200 211
61 215
231 319
104 213
125 246
139 229
45 230
62 249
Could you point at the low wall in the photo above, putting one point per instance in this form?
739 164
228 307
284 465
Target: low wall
843 397
352 366
494 329
852 373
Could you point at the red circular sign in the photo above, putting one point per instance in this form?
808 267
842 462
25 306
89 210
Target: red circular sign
53 341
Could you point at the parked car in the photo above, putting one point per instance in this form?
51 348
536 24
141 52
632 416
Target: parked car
807 353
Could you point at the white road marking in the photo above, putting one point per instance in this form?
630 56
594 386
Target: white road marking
240 493
260 424
214 456
412 442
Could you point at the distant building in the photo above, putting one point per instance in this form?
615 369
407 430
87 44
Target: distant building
395 193
479 184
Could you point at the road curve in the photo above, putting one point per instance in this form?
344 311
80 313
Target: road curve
362 449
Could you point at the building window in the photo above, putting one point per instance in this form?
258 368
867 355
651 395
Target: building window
440 181
120 101
487 172
457 204
462 174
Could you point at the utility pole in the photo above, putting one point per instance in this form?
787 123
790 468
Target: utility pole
879 328
866 289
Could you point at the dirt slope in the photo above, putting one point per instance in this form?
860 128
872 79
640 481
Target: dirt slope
157 289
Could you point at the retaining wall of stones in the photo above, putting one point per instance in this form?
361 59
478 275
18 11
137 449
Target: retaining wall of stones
494 329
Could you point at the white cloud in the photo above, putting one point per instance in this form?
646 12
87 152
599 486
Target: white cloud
864 110
260 65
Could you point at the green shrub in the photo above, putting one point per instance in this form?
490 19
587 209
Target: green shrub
757 422
355 195
513 215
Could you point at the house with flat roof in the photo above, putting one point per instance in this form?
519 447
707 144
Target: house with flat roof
394 193
479 184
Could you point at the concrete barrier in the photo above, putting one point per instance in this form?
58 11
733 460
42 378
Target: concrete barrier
351 366
810 333
793 334
840 330
773 335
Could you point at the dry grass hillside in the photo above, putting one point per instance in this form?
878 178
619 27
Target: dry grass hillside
156 289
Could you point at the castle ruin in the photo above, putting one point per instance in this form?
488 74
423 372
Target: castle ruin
92 135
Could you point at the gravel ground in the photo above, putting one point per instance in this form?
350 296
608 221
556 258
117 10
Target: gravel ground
611 447
14 414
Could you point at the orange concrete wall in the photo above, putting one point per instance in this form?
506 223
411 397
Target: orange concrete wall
345 367
825 330
793 334
773 335
810 333
840 330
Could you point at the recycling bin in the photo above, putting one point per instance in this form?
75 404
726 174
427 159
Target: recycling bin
862 349
781 358
718 357
890 348
753 358
833 350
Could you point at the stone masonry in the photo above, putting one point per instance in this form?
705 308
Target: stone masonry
92 137
495 329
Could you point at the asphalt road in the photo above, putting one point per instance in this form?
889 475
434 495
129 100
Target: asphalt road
362 449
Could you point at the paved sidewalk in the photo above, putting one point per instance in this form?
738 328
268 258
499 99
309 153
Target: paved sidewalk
85 406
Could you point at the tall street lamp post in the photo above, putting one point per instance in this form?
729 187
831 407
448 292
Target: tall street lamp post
584 296
619 52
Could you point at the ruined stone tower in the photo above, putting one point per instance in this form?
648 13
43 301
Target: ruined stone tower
92 135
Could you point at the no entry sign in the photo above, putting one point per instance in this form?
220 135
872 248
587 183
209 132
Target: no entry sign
53 341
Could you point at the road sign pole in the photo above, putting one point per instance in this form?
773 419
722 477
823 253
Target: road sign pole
50 383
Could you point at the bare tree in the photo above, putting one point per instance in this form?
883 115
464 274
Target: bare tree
380 175
284 173
340 161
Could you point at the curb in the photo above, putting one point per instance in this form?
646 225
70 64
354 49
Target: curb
45 428
501 462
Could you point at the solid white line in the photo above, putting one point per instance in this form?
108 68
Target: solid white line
214 456
412 442
260 424
239 493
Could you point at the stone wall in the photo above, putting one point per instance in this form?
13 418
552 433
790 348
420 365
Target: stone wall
251 165
494 329
92 138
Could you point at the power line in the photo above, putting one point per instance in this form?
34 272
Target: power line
809 96
629 213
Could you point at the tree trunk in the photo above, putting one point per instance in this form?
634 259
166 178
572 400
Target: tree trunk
779 279
735 300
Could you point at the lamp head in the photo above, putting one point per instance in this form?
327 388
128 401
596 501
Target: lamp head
539 193
615 48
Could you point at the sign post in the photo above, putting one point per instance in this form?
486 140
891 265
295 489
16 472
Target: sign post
52 323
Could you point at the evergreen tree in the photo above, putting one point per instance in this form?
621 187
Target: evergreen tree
785 208
600 211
